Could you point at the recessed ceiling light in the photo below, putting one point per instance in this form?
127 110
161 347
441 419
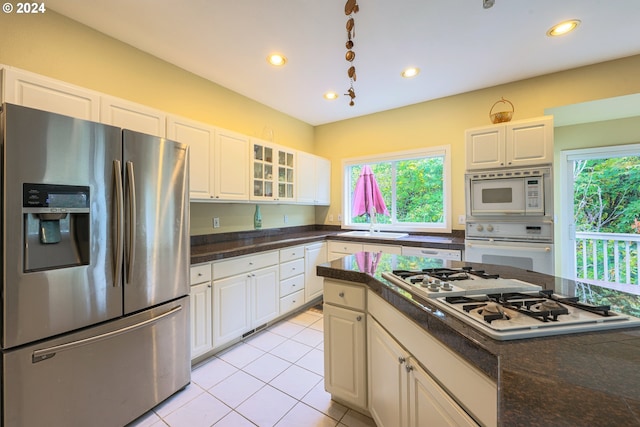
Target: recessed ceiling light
563 28
407 73
277 59
330 96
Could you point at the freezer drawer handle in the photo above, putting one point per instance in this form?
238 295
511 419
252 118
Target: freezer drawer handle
48 353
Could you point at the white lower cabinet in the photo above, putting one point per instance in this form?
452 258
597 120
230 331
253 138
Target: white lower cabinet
449 391
292 265
429 405
200 310
231 308
245 295
345 367
401 393
201 320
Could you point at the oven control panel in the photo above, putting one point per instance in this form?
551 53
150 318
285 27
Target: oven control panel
536 231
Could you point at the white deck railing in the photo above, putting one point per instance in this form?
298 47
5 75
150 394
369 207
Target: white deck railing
608 258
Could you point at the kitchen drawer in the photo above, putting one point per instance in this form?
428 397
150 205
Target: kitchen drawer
291 268
341 293
200 273
294 252
291 302
292 284
244 264
345 247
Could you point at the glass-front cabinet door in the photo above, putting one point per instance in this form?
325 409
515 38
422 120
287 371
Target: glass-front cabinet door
273 173
285 175
263 165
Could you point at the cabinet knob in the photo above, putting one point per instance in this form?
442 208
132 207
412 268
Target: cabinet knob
408 367
209 286
359 318
401 360
341 294
199 274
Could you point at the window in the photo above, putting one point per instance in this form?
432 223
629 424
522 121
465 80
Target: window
415 187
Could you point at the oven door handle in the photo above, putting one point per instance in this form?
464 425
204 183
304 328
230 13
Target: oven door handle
510 247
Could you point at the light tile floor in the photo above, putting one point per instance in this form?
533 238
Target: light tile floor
273 378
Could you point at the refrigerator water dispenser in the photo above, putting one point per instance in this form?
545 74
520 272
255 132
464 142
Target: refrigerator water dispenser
56 226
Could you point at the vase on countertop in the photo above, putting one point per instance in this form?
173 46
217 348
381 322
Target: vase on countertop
257 219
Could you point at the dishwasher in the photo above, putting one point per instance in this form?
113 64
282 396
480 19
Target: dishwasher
448 254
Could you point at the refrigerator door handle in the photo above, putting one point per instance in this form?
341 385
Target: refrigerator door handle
119 227
132 219
48 353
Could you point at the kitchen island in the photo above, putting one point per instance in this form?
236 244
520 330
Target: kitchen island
584 379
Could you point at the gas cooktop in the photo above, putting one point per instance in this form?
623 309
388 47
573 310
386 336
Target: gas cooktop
507 309
436 282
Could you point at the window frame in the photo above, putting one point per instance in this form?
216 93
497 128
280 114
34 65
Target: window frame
443 150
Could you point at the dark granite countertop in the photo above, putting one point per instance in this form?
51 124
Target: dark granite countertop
586 379
214 247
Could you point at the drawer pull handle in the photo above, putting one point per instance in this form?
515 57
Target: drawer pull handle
199 274
341 294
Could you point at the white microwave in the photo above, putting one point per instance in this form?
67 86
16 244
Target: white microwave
519 192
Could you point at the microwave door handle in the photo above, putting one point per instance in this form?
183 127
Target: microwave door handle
118 254
132 219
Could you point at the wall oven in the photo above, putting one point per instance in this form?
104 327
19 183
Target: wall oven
534 256
509 218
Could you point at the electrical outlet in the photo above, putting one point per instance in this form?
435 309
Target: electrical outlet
461 219
216 222
286 219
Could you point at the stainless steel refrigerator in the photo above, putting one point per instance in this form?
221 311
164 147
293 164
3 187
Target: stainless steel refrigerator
95 232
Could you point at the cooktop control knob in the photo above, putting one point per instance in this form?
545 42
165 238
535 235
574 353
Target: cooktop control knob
489 227
479 227
446 286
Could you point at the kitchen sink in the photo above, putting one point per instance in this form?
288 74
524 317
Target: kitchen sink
374 234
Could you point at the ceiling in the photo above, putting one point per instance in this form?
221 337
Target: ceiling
458 45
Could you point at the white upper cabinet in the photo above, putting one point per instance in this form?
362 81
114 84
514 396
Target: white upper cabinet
132 116
224 165
272 171
219 159
513 144
313 179
231 166
201 139
43 93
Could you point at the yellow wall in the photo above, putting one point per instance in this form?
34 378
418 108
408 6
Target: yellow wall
55 46
443 121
